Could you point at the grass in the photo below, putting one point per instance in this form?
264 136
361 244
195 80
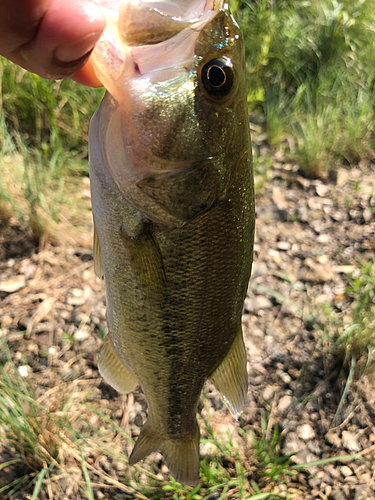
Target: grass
310 73
61 437
43 148
61 441
354 340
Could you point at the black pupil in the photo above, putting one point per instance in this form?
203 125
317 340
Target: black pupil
216 75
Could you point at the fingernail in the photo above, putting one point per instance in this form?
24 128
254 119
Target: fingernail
76 50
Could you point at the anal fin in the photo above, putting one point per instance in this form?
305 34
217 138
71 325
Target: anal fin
98 264
113 370
230 378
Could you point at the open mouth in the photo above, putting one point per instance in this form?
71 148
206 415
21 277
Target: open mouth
146 37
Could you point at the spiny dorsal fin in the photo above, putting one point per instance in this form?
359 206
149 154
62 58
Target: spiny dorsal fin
98 264
113 370
230 378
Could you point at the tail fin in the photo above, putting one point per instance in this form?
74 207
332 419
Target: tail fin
181 456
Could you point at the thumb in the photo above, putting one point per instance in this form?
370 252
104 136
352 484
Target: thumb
67 33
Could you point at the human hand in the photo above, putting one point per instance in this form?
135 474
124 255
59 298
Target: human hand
52 38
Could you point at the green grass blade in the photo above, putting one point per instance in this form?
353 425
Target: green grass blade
39 482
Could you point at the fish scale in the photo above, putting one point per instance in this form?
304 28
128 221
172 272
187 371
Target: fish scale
173 206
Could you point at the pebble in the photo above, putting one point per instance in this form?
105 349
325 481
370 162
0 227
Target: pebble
268 393
13 284
338 495
81 335
75 301
285 377
23 370
283 245
284 403
256 303
339 216
305 432
334 439
344 269
346 471
367 215
322 190
350 442
324 238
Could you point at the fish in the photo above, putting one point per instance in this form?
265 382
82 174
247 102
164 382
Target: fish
173 207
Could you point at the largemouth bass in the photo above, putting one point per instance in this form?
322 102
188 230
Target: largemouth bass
173 207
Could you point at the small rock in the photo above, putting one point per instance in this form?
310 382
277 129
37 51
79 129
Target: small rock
343 269
13 284
346 471
75 301
305 432
338 495
324 238
322 190
339 216
268 393
342 177
23 370
285 377
322 299
365 477
120 466
283 245
364 493
319 273
303 214
367 215
284 403
275 255
334 439
350 442
328 491
256 303
81 335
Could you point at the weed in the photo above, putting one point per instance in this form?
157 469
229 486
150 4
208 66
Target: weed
43 147
310 73
267 452
357 340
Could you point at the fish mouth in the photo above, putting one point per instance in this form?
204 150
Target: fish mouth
143 38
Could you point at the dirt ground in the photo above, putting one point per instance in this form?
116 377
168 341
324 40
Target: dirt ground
311 237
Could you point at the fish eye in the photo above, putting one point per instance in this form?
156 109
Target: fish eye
218 77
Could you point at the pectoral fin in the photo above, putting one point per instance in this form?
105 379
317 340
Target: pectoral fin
230 378
113 370
146 261
98 264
